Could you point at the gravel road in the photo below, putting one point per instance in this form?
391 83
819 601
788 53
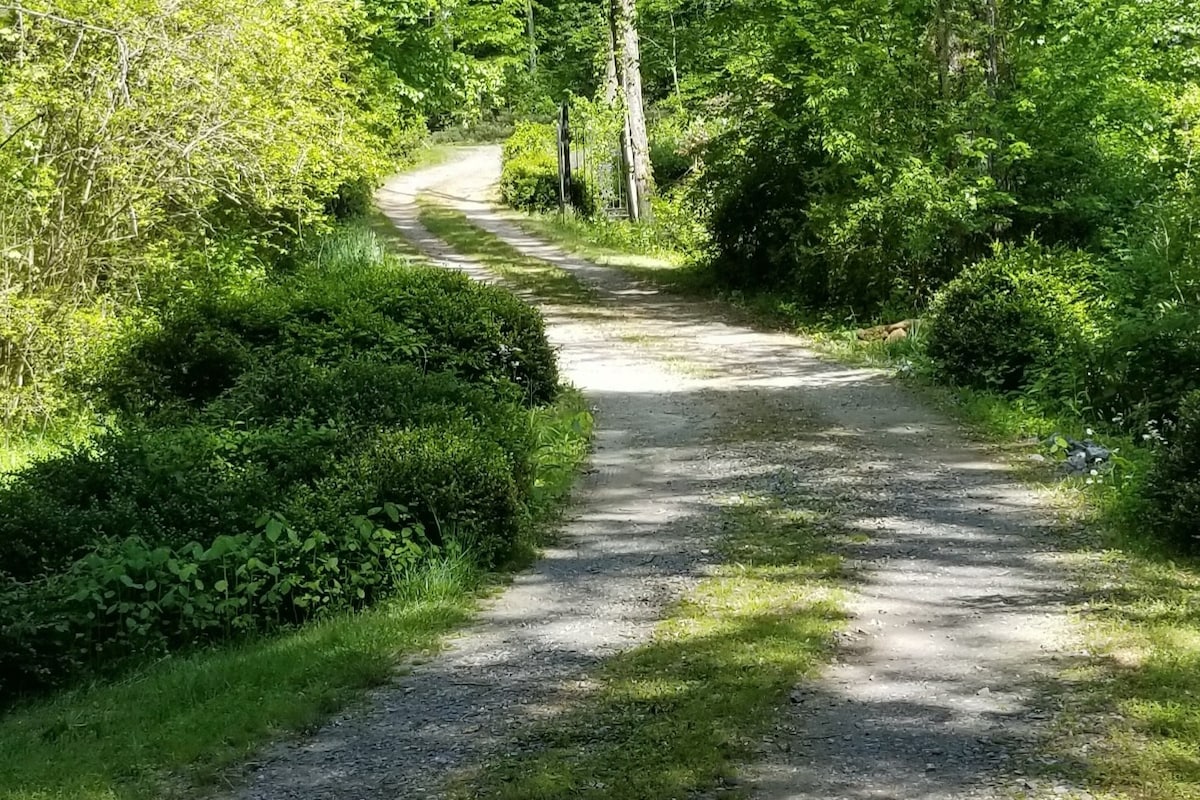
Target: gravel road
957 599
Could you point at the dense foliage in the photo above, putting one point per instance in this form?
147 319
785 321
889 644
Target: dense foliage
529 179
1013 321
1172 491
296 446
149 146
1024 174
268 420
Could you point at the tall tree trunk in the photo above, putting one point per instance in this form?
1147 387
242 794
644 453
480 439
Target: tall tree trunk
991 20
612 85
623 16
942 28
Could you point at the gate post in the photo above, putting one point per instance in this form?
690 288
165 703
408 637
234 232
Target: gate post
564 157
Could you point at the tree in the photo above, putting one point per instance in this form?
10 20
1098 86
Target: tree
627 58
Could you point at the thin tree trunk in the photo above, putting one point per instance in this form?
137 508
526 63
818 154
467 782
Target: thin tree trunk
675 59
629 73
991 19
942 47
992 72
533 54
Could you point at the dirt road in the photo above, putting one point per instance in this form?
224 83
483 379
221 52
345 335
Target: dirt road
956 596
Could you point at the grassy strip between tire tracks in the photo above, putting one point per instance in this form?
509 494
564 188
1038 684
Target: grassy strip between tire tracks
1130 725
531 274
678 715
181 723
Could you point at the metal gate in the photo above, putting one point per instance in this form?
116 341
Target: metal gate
590 164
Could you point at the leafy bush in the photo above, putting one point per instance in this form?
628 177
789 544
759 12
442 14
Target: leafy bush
670 140
530 183
134 597
1127 380
156 539
288 444
529 176
167 486
1157 289
756 205
458 480
1012 320
362 391
1171 491
435 319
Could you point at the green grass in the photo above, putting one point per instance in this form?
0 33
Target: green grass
677 715
609 242
431 154
1132 721
179 723
523 272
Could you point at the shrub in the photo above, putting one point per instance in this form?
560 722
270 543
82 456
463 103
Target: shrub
134 597
156 539
757 208
790 216
290 444
167 486
1172 488
457 479
1011 320
366 393
530 183
1127 377
529 177
362 391
669 157
329 312
481 333
42 345
1158 288
188 354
